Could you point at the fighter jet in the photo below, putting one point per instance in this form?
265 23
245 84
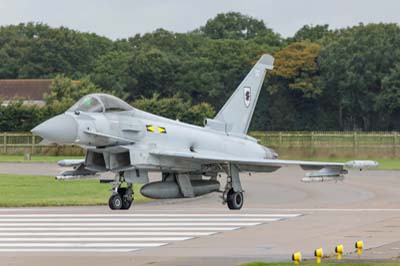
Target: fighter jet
131 143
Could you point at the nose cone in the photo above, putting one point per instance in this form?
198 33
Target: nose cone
59 129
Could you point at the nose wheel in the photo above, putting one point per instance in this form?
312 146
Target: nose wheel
122 197
115 202
121 200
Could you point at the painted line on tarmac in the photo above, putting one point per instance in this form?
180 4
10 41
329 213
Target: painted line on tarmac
76 245
68 249
116 215
138 220
91 239
130 224
110 232
124 229
19 233
325 209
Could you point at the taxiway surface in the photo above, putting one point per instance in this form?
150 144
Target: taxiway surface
281 215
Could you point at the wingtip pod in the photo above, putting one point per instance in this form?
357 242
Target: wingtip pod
361 164
267 60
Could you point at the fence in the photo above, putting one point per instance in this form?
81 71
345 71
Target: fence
287 144
332 144
20 143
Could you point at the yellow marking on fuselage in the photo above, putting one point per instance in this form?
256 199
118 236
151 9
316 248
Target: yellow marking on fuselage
162 130
150 128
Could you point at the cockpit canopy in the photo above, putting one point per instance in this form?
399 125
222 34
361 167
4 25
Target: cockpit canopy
100 103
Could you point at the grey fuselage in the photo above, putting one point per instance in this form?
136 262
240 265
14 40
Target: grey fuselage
177 136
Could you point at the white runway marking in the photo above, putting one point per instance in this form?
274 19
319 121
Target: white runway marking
135 220
107 234
153 215
77 239
120 228
116 232
128 224
76 245
67 250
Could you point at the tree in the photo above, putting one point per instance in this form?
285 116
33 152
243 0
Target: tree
111 71
155 71
388 100
175 108
64 92
296 67
17 117
234 25
353 67
39 51
311 33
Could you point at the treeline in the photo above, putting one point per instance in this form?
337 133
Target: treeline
345 79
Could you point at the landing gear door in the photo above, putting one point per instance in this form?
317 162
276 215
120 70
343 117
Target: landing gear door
136 176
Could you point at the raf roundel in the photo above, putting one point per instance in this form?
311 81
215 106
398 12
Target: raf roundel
247 96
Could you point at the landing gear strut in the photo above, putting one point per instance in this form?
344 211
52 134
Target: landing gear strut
122 197
233 193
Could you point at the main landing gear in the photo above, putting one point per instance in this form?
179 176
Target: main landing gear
233 193
234 200
122 197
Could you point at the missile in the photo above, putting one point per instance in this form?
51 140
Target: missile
325 174
69 163
74 177
77 174
171 190
322 179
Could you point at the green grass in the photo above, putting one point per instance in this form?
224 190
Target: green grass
389 164
24 190
313 263
35 158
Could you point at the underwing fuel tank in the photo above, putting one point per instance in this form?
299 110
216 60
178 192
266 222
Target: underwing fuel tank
171 190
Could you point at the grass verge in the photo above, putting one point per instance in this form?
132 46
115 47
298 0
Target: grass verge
5 158
25 190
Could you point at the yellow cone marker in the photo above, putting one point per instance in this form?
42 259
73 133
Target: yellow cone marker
318 253
359 246
339 251
296 257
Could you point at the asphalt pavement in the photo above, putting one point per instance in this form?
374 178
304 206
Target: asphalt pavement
281 215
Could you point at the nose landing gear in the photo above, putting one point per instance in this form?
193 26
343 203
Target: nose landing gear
122 197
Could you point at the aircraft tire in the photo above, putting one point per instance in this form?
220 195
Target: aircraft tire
115 202
126 203
235 200
126 200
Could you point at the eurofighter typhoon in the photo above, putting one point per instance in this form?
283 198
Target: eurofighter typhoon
131 143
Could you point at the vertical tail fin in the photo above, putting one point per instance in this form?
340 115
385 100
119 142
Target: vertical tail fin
238 110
